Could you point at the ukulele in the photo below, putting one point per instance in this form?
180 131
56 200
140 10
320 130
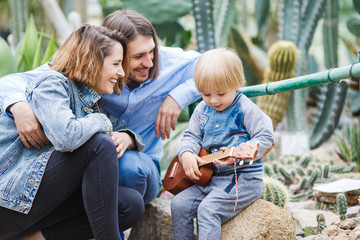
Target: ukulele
175 179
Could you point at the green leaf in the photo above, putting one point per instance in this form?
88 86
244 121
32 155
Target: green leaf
28 46
7 60
50 50
37 58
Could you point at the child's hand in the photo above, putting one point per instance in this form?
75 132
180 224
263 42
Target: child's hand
190 164
225 161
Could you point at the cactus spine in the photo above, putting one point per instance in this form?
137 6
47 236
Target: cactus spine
275 192
282 61
341 205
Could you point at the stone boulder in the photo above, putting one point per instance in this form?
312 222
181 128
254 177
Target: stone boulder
156 223
261 220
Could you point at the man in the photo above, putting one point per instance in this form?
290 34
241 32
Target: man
160 85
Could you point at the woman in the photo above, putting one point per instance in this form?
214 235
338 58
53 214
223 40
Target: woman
81 157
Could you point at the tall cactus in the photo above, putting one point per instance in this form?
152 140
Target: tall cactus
333 95
298 24
19 18
282 61
203 14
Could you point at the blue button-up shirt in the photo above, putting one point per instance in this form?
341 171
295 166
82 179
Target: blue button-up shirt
137 109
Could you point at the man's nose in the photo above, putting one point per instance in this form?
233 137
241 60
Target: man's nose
148 61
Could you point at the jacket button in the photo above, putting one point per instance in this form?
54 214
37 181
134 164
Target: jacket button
42 155
217 126
214 141
21 207
31 181
86 109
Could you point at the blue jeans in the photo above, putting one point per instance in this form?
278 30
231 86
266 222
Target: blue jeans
93 168
140 172
213 205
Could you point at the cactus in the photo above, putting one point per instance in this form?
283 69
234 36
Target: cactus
267 171
225 13
303 183
19 18
275 192
314 176
349 144
341 205
253 67
298 24
305 161
303 172
320 221
203 14
300 171
282 61
326 171
262 8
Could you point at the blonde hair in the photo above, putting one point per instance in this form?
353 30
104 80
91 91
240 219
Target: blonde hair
220 70
81 56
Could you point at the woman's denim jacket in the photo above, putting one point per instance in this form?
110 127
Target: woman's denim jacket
63 108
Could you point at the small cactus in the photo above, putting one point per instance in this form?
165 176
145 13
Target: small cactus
341 205
320 221
326 171
275 192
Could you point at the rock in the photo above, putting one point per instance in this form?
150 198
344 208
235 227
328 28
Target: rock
352 212
156 223
261 220
307 218
327 192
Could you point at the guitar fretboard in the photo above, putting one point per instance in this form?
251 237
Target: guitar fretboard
218 155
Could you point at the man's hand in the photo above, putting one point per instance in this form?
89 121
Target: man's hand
167 117
28 126
190 165
122 142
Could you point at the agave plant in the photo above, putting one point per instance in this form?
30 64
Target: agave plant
28 51
348 142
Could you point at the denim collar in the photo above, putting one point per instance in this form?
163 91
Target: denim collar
87 94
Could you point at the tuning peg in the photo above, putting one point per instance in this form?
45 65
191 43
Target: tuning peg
241 162
251 162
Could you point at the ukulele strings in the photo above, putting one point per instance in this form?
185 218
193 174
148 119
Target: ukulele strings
236 185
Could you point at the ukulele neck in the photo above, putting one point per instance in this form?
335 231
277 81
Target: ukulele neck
218 155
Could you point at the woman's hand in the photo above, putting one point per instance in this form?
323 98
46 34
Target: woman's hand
123 141
190 165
